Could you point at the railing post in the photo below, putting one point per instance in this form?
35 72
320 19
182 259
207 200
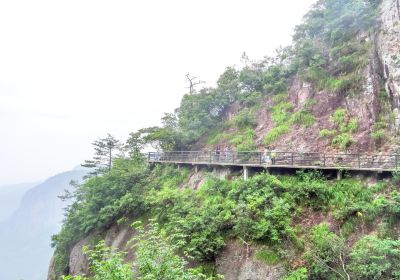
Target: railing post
260 158
396 159
292 159
324 160
359 161
210 156
233 157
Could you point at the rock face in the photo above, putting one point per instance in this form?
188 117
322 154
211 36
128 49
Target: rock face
116 236
388 44
237 262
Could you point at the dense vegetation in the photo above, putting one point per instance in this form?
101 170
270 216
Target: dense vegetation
357 239
331 51
263 210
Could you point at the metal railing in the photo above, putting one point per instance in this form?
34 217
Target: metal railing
281 159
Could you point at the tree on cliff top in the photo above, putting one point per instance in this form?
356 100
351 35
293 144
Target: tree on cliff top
106 150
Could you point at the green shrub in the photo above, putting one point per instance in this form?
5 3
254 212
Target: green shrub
276 133
325 133
343 141
326 247
298 274
244 140
216 138
253 99
303 118
352 126
339 116
375 258
244 119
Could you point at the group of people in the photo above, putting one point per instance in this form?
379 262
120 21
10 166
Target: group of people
268 155
223 155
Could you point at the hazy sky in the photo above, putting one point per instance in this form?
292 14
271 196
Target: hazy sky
71 71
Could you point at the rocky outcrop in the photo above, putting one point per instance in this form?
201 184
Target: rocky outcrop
237 262
388 44
117 236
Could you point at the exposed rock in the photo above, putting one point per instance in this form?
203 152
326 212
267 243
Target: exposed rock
196 179
388 44
51 275
237 262
78 262
117 236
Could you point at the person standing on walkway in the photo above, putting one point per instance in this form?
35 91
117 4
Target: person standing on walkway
217 153
226 153
266 158
273 156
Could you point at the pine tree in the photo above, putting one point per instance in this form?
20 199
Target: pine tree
106 149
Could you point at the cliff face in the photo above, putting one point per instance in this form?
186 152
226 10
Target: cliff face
388 45
236 262
383 70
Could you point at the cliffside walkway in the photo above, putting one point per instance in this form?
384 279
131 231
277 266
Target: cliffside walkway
290 160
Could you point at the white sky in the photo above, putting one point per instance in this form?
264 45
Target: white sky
71 71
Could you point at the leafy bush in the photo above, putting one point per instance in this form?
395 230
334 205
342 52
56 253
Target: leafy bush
325 133
303 118
157 258
375 258
325 252
339 116
246 118
298 274
352 126
343 141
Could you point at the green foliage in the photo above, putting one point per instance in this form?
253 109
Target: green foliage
352 126
325 252
298 274
284 118
339 116
346 126
244 140
106 150
325 133
267 256
375 258
343 141
303 118
379 130
328 51
244 119
157 258
276 133
281 116
99 202
197 223
198 113
107 264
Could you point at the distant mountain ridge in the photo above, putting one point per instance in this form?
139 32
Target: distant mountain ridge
10 198
25 235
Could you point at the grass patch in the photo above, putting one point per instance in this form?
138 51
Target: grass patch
304 118
325 133
268 256
276 133
284 118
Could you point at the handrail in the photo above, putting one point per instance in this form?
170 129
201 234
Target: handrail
282 159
